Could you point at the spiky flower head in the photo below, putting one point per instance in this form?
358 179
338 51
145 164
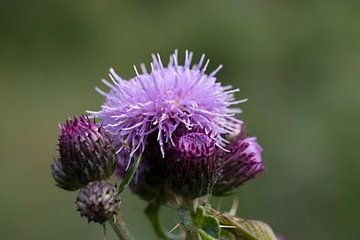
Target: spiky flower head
98 201
166 98
242 163
86 154
190 168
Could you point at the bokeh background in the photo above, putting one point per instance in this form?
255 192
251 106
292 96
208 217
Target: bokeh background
298 63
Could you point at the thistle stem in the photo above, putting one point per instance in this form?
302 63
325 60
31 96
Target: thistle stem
129 175
191 205
152 212
191 235
120 228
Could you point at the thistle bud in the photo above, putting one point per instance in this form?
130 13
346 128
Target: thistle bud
86 154
190 166
241 163
62 179
148 181
98 201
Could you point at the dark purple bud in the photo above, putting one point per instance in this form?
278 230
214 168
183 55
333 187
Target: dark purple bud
98 201
148 182
86 154
190 166
242 163
63 180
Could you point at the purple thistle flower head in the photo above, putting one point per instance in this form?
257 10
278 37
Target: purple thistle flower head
242 163
86 154
190 168
166 98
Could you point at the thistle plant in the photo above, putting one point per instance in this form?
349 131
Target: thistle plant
173 136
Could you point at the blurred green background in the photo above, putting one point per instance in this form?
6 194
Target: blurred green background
298 62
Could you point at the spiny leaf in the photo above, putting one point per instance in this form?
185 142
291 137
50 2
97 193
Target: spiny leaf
258 229
226 235
207 223
244 229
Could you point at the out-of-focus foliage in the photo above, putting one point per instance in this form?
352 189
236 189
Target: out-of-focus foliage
298 62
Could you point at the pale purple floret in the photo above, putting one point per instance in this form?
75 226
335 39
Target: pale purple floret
194 145
165 99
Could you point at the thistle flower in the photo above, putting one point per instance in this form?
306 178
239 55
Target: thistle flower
190 168
242 163
86 154
168 97
98 201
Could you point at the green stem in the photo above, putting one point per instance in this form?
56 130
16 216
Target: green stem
152 212
191 235
118 224
129 175
191 207
120 228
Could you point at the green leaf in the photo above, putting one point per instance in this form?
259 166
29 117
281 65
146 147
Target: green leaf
258 229
207 221
209 224
244 229
130 174
226 235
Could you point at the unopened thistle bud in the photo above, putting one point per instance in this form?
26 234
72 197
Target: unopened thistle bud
190 166
242 163
148 182
98 201
63 180
86 154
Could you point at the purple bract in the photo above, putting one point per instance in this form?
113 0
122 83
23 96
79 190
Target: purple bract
86 154
242 163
